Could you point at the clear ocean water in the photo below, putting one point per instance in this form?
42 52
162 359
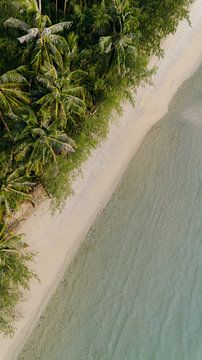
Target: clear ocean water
134 290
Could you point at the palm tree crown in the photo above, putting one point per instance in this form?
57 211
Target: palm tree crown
12 95
41 40
64 96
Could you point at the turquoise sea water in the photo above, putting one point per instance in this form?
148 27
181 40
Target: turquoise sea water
134 290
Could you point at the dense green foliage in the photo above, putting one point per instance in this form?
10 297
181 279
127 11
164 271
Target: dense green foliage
14 275
64 66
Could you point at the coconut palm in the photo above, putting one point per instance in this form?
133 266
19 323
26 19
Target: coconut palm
40 144
12 96
14 186
102 16
41 40
14 275
120 47
64 98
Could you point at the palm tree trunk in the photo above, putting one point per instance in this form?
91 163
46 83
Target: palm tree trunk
56 6
40 6
65 6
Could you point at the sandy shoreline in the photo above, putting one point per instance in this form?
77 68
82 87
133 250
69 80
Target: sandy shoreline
57 238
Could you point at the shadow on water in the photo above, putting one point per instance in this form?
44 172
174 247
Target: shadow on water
134 290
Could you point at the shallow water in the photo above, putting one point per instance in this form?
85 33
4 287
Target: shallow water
134 290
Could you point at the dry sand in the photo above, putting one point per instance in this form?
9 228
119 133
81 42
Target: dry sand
56 238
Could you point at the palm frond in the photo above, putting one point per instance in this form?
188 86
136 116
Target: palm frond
12 76
56 28
106 44
59 42
16 24
32 34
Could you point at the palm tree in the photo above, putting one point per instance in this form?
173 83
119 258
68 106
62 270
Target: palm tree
65 97
42 40
120 47
12 96
15 275
14 186
41 144
120 51
102 14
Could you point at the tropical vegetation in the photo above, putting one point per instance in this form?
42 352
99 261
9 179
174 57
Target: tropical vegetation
64 66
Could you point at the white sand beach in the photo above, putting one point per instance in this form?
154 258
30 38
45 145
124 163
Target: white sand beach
57 237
